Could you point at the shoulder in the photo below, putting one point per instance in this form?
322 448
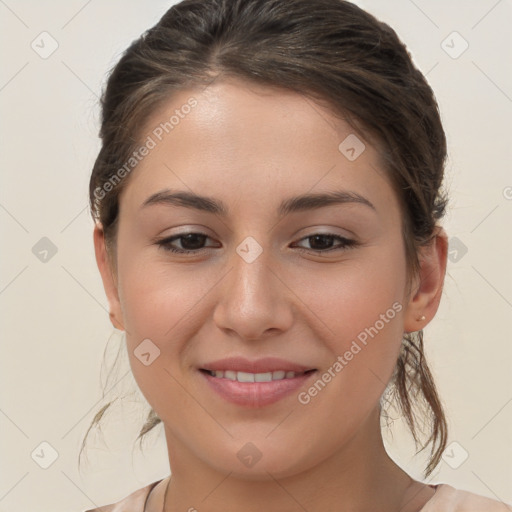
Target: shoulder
134 502
449 499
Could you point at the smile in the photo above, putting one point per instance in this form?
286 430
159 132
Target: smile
255 377
254 390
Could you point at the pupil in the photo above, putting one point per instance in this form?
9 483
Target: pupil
317 237
186 239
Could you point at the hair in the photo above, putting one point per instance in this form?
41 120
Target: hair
330 51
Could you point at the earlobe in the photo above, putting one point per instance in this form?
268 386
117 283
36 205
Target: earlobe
108 278
423 306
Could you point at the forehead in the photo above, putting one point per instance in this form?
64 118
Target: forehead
254 141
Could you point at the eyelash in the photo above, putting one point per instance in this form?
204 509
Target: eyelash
345 243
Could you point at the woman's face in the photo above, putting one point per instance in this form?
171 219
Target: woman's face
267 277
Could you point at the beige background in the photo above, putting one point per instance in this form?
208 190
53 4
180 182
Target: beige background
54 315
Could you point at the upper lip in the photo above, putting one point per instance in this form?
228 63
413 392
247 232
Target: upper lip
263 365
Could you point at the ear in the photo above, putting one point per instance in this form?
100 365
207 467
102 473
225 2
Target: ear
108 278
428 287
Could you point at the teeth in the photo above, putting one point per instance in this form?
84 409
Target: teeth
252 377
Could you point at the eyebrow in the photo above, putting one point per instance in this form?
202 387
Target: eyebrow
291 205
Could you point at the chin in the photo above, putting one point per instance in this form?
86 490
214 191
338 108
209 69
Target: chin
261 461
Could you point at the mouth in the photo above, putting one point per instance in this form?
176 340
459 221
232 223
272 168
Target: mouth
255 377
255 390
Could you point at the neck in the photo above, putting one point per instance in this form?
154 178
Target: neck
359 477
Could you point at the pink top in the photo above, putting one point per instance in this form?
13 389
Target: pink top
445 499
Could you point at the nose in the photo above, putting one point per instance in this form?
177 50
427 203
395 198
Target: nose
254 300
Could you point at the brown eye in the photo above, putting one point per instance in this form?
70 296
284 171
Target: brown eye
323 242
190 243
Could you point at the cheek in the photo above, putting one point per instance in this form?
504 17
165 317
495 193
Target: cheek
353 295
159 301
361 311
154 296
160 304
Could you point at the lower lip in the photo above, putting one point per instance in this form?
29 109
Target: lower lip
255 394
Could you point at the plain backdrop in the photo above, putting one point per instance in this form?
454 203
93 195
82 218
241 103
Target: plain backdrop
54 314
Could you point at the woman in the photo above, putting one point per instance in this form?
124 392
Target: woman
267 202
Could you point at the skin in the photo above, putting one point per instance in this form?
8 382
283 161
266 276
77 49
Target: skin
252 147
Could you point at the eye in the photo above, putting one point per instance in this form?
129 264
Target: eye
190 242
322 242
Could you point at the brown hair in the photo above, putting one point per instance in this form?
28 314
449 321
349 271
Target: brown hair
330 51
